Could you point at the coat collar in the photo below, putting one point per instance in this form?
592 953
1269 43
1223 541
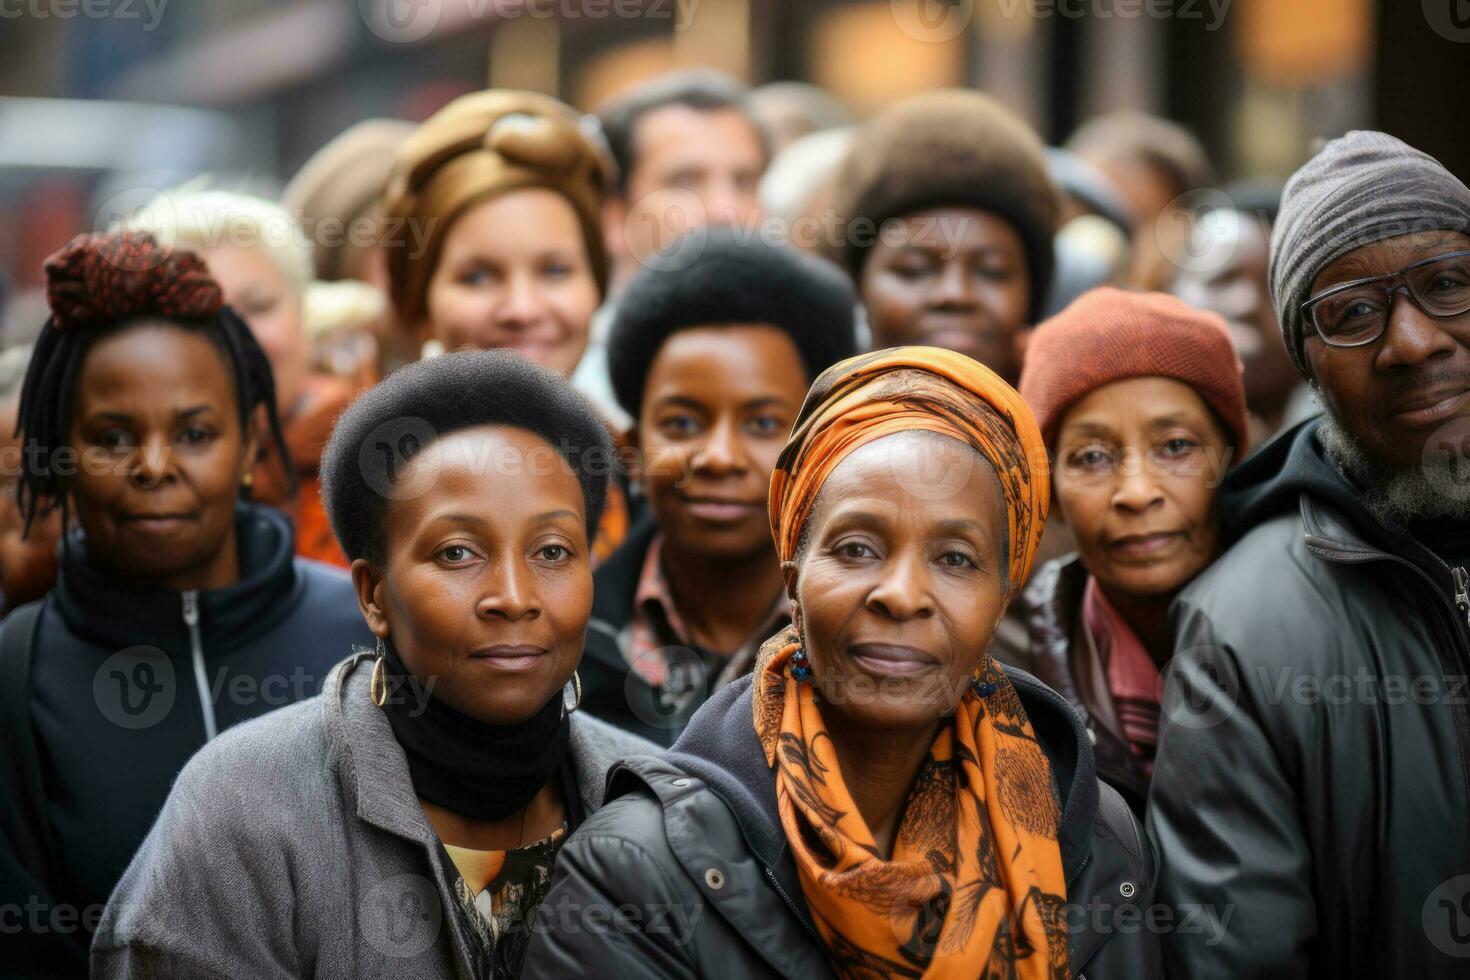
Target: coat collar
721 748
721 752
1329 534
374 770
115 614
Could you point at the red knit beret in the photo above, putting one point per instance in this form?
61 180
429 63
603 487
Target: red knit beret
1109 335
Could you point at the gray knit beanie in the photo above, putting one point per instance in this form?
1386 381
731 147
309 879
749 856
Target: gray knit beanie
1362 188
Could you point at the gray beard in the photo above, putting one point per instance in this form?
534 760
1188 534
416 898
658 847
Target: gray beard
1396 495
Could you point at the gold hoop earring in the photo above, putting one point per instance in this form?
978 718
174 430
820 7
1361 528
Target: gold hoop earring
378 687
576 685
247 481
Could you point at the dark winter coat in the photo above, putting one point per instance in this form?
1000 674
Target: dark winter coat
1313 774
108 690
686 871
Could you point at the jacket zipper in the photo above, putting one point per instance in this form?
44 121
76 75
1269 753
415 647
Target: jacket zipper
1077 871
1462 590
776 884
196 652
1461 599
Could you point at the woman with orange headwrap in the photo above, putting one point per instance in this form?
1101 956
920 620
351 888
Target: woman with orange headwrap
881 799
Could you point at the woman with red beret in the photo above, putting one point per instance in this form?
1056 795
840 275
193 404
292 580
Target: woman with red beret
1141 405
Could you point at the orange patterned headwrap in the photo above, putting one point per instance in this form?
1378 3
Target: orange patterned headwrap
870 396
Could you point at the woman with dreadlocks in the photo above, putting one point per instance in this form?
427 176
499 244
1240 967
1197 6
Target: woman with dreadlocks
179 608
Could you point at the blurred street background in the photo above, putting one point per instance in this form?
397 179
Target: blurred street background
99 98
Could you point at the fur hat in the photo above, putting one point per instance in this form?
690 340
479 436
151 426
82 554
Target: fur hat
949 148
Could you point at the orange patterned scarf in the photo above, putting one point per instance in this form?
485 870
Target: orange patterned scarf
975 886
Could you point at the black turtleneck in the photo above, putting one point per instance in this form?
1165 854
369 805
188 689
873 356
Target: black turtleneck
471 767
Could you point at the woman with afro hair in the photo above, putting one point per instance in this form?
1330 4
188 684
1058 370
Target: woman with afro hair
406 821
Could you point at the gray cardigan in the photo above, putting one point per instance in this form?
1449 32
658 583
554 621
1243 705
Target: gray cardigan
293 845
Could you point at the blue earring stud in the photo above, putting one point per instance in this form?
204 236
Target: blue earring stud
801 668
984 690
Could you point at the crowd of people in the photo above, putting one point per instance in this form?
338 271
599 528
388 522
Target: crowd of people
1002 570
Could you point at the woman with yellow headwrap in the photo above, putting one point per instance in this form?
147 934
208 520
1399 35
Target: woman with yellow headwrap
491 235
880 799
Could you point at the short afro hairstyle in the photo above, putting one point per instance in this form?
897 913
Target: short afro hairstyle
404 413
724 277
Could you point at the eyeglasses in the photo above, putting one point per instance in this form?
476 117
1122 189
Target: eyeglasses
1356 313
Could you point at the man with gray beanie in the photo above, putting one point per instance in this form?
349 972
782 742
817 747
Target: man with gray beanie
1311 796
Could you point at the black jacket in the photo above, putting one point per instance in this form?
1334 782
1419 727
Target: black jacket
611 689
1055 650
114 691
1313 774
686 871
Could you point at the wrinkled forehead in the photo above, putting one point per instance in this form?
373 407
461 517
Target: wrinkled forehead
906 471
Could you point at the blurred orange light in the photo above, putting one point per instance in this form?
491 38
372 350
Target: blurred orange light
1303 43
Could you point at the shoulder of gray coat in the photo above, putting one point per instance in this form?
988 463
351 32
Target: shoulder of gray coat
273 757
596 747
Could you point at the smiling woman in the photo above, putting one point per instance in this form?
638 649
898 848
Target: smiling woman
465 490
505 191
495 205
881 799
712 360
